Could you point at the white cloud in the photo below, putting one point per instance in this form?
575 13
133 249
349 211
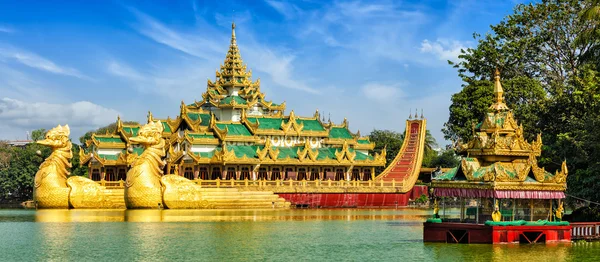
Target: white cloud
5 29
279 68
381 92
35 61
195 44
81 116
211 46
289 11
442 48
123 70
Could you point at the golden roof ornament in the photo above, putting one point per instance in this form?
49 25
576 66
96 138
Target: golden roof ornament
498 104
233 42
150 117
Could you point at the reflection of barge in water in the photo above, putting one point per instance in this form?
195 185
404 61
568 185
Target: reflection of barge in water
515 200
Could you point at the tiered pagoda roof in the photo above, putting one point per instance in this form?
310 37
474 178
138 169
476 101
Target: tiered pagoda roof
269 136
499 157
233 86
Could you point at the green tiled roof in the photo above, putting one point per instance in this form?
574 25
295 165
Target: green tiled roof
361 156
364 141
138 150
237 99
326 153
200 136
267 123
448 175
340 132
109 139
205 118
235 129
310 125
131 130
205 154
109 157
166 127
240 151
284 152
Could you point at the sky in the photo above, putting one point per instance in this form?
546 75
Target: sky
83 63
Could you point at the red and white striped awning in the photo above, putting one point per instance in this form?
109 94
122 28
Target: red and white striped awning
489 193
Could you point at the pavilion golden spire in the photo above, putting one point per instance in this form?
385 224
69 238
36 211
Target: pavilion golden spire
233 86
498 104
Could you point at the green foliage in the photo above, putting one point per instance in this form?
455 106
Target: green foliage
548 53
388 139
393 142
38 134
524 95
584 214
467 109
591 34
109 129
445 159
76 169
422 199
16 178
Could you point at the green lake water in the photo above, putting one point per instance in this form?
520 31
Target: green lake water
253 235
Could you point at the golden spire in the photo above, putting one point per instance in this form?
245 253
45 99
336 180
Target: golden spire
498 104
233 42
498 92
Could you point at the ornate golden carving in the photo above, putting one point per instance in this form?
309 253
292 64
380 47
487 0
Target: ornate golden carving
181 193
143 188
499 152
345 153
558 213
496 215
86 193
267 151
50 187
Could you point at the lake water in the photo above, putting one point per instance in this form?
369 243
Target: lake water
253 235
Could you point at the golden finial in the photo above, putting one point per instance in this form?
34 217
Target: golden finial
422 117
410 113
233 33
498 92
416 113
498 104
150 117
119 123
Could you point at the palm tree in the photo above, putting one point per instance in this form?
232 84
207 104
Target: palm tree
430 142
591 16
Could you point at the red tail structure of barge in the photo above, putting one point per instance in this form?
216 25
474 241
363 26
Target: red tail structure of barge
402 173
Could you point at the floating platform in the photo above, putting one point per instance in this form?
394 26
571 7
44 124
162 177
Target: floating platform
466 233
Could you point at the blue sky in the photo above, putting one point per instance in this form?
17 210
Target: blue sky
83 63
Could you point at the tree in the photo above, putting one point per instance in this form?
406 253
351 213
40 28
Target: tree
525 96
388 139
537 41
103 130
591 16
38 134
393 142
429 149
76 169
547 52
16 180
446 158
